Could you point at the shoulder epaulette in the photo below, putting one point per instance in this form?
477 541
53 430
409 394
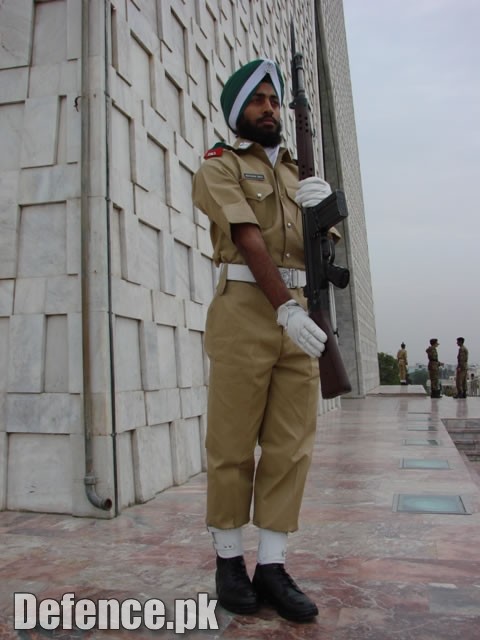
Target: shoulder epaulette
217 150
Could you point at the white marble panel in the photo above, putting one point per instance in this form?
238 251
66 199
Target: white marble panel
73 238
154 170
39 473
75 354
42 236
166 357
127 355
144 28
152 461
194 445
26 353
53 413
129 410
40 131
131 257
148 268
181 454
60 79
195 316
30 295
151 209
4 325
126 477
204 242
11 123
193 401
50 38
141 70
167 309
121 94
49 184
74 31
162 406
184 357
13 85
16 19
182 271
63 294
197 366
56 355
131 300
149 355
167 257
6 297
121 41
201 286
139 156
183 229
9 217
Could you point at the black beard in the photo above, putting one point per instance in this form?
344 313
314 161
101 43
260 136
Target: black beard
265 137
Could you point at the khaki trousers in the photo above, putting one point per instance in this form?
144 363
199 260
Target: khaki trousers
263 390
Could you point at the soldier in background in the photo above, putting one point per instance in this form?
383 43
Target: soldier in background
462 368
402 363
434 367
473 385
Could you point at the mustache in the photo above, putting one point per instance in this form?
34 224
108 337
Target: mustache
268 118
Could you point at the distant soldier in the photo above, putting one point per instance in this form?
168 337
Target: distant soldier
462 368
473 386
402 363
433 368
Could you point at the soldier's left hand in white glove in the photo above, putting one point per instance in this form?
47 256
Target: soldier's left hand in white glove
312 191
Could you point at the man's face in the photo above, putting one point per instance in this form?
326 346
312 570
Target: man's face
260 121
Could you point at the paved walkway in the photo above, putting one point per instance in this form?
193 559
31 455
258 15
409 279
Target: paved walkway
376 573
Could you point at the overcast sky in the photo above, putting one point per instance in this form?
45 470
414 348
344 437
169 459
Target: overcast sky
415 70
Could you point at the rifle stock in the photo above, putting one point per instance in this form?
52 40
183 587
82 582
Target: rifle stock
333 376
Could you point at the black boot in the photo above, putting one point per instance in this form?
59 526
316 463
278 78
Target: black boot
273 585
234 589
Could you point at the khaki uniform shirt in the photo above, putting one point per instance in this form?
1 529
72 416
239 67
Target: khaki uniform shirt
462 358
242 186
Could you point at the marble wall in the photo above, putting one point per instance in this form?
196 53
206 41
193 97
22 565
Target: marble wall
96 166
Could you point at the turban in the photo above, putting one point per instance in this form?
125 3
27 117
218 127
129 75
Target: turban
240 87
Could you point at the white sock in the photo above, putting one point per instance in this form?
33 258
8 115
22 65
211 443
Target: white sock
227 542
272 547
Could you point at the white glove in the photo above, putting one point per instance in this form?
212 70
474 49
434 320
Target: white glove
312 191
301 328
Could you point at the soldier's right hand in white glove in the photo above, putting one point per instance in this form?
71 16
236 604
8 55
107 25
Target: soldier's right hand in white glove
301 328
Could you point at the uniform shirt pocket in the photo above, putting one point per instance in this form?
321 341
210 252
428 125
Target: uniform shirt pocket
261 199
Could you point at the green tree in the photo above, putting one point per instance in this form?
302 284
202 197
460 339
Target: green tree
388 369
419 376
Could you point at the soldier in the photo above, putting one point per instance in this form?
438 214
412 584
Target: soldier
462 368
433 368
402 363
262 345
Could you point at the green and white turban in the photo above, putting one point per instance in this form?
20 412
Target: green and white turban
240 87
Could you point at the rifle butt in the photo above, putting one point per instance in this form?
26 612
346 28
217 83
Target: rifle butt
333 376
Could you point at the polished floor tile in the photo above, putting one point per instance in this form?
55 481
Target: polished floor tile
375 573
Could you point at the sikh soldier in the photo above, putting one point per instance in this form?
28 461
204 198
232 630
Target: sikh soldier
402 363
462 369
433 368
262 345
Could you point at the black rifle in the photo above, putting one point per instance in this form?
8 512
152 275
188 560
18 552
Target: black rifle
319 247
